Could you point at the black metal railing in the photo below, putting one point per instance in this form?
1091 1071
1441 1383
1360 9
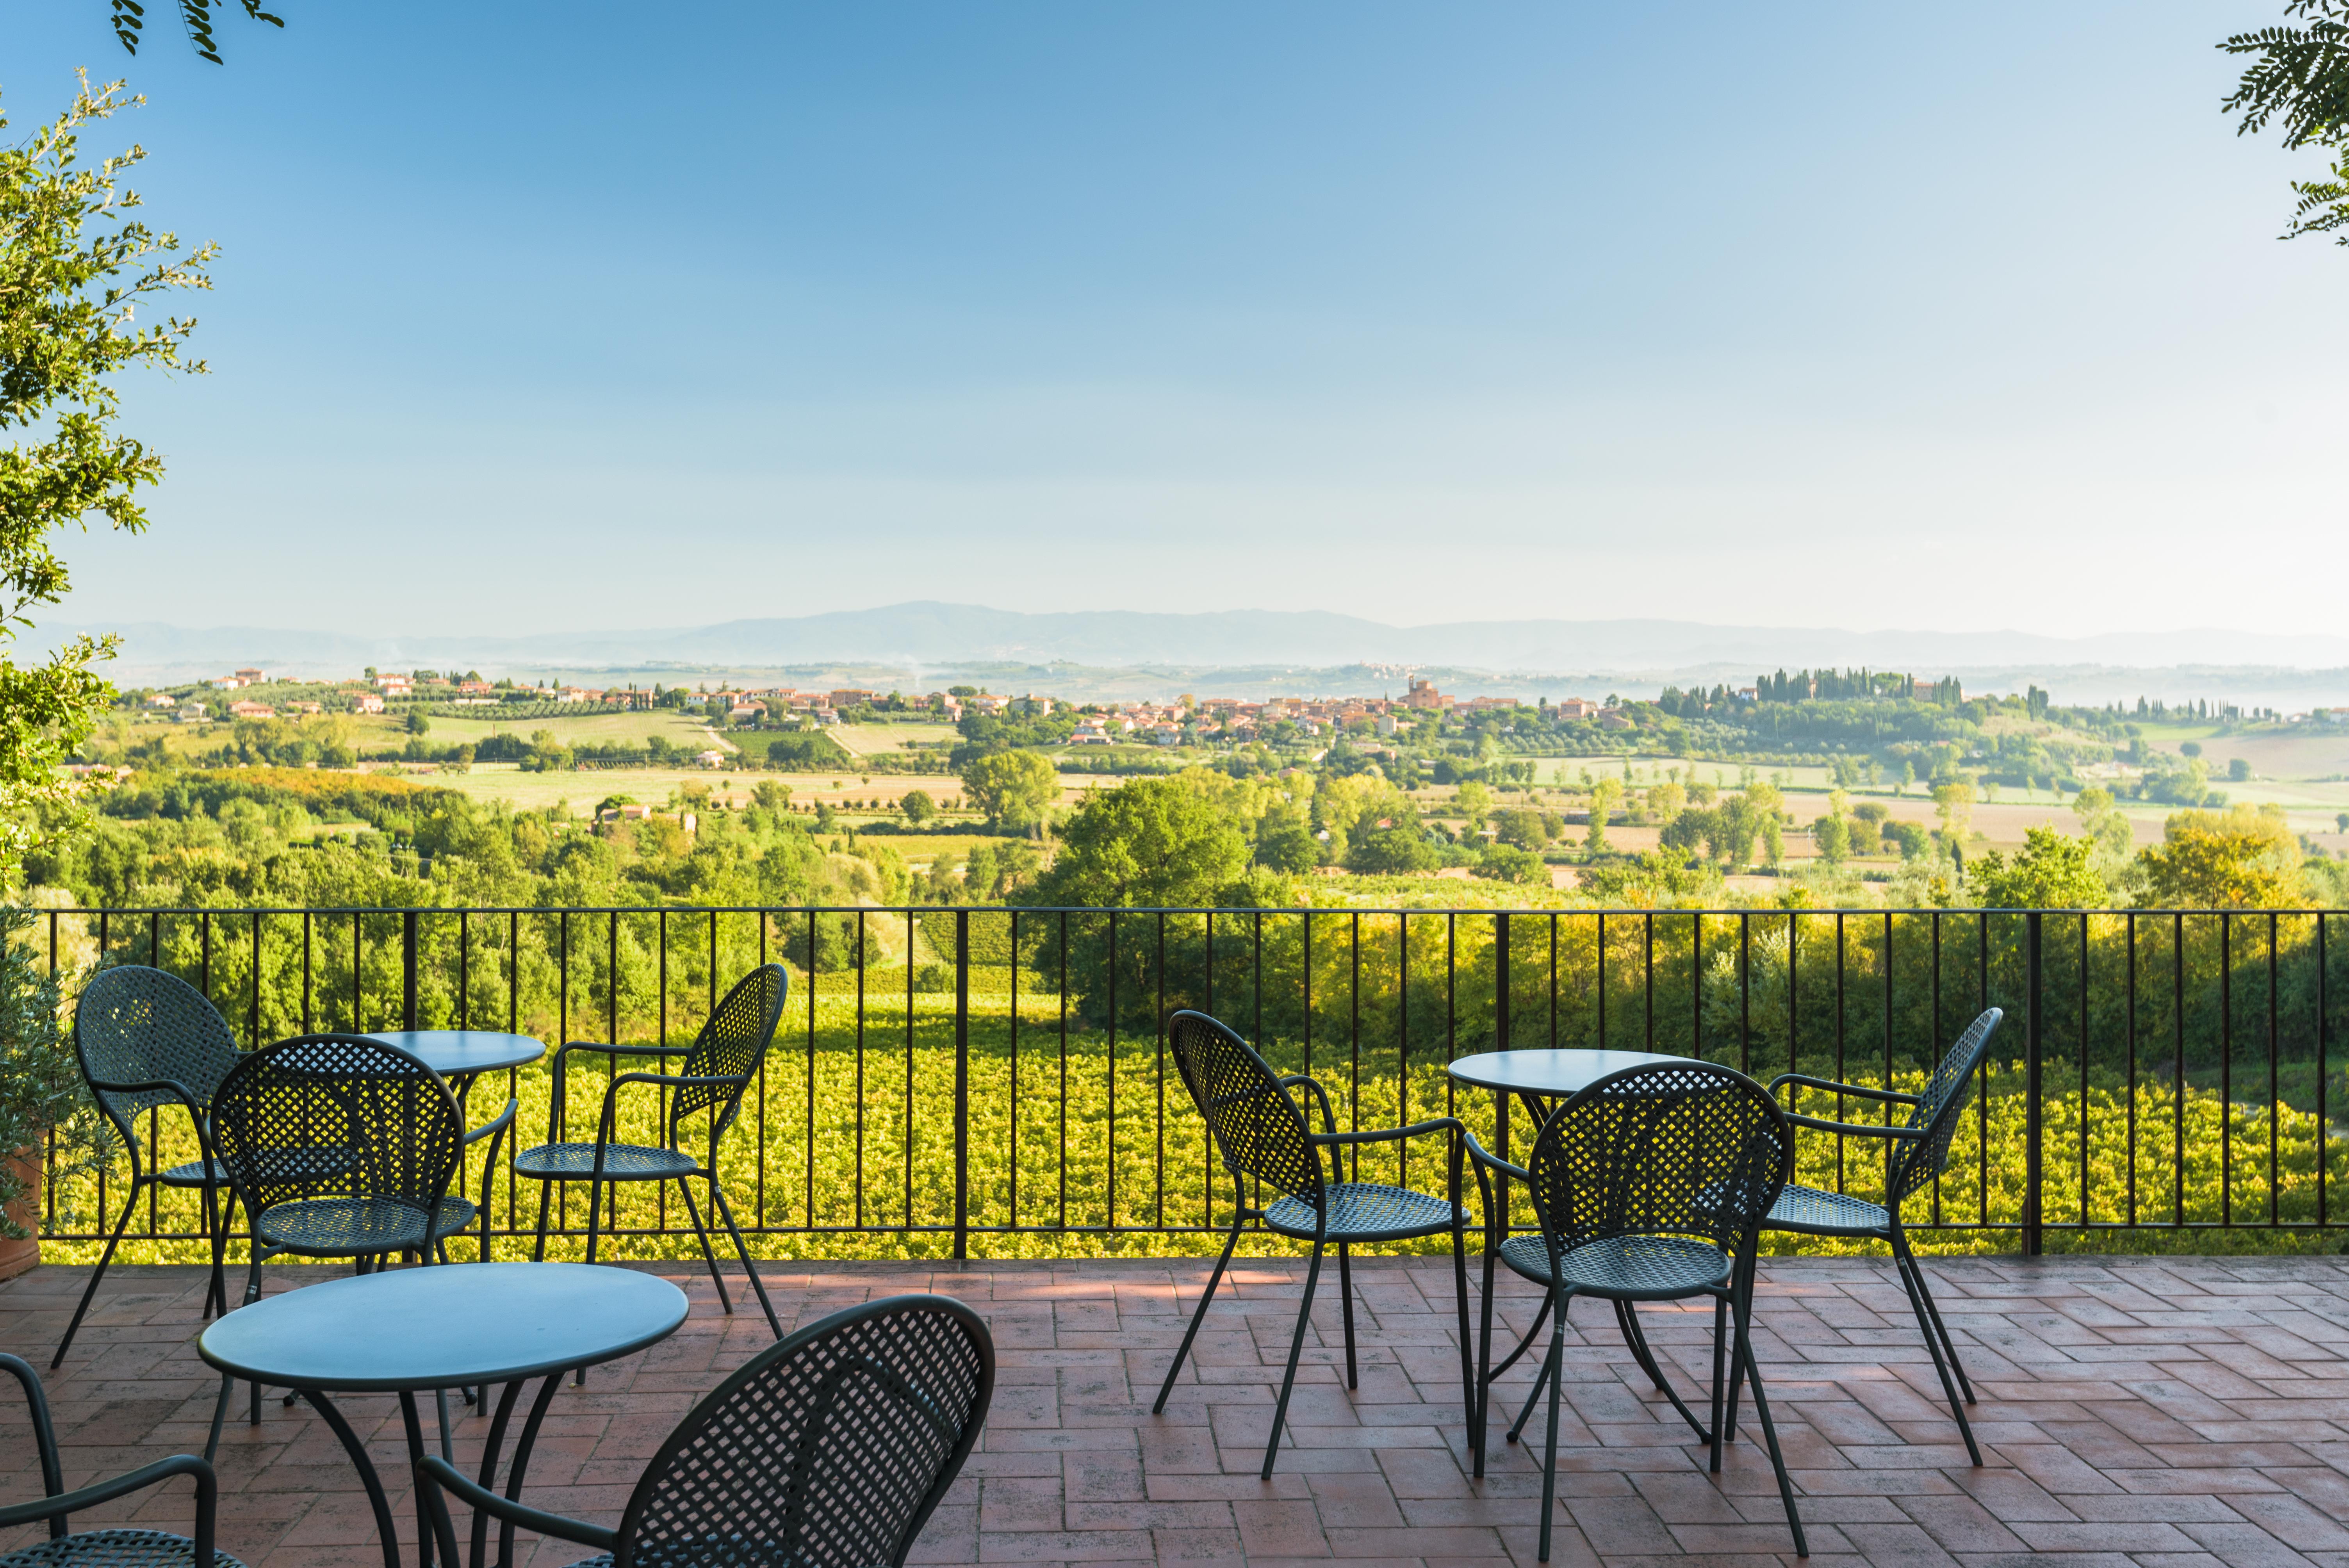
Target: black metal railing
950 1072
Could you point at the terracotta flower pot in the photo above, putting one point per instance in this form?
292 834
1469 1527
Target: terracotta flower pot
15 1258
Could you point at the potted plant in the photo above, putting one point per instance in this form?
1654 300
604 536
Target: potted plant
44 1109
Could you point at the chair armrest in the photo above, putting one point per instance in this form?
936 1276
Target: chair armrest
505 1119
1857 1129
57 1508
554 1069
1487 1160
435 1476
1384 1134
45 1433
1328 1118
1862 1090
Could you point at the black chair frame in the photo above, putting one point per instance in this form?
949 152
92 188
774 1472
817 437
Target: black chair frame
1729 1212
719 1094
809 1476
183 1068
1261 1133
1915 1155
276 1181
107 1547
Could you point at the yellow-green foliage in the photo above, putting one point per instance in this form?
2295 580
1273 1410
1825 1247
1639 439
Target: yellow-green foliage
823 1114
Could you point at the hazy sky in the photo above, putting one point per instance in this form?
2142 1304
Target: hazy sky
534 316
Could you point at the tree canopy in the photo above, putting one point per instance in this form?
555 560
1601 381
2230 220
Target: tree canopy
2299 78
130 18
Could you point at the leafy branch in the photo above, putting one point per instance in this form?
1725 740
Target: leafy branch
195 16
2299 78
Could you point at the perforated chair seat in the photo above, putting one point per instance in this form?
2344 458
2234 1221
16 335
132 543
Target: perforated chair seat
115 1549
1813 1212
350 1227
1625 1268
1364 1211
622 1162
191 1174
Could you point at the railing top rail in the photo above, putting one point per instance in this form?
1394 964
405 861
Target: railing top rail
1611 910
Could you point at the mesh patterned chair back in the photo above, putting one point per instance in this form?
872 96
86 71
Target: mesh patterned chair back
1687 1149
829 1450
729 1047
139 1026
337 1116
1916 1162
1258 1129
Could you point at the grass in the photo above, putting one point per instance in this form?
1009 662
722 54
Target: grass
846 1146
632 728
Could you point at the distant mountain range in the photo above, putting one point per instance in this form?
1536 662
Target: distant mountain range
921 638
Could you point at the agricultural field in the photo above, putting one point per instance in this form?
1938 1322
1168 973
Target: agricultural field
600 728
872 739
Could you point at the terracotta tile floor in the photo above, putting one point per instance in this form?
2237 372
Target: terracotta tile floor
2167 1414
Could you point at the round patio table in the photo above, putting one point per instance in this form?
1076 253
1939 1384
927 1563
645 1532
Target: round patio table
464 1054
405 1331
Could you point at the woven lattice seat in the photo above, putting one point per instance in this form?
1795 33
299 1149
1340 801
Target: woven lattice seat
1916 1152
1649 1185
149 1040
353 1227
717 1068
622 1162
115 1549
102 1548
832 1448
1625 1268
1814 1211
1261 1134
1362 1212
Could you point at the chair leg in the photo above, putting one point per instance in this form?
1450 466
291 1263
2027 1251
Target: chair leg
1720 1337
1556 1368
1296 1348
702 1232
1541 1381
220 1414
1467 1362
220 1248
1158 1408
594 1214
97 1274
1769 1433
1346 1291
1741 1282
1628 1316
1949 1345
1480 1418
538 1251
1905 1262
742 1250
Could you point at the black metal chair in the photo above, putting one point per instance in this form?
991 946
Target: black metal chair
718 1067
105 1548
1915 1153
147 1039
1262 1133
829 1450
1649 1185
340 1146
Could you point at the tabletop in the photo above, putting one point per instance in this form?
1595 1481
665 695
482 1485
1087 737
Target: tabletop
456 1053
443 1324
1547 1072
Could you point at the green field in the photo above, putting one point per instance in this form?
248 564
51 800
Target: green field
868 739
631 728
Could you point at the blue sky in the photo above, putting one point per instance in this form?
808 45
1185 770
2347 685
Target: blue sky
533 316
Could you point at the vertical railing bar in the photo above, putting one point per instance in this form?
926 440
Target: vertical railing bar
1843 970
2324 1067
1354 1037
1648 963
253 1006
1158 1075
2275 1131
1207 1149
1112 1070
962 1013
2129 938
1745 992
562 1029
306 971
1696 984
514 971
1064 1071
1308 918
1982 1102
860 1060
961 1092
464 970
1888 1013
1402 1042
1014 1219
204 937
1553 979
1933 1051
2226 1071
2036 1003
2082 1085
1601 1041
2178 1069
807 1160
